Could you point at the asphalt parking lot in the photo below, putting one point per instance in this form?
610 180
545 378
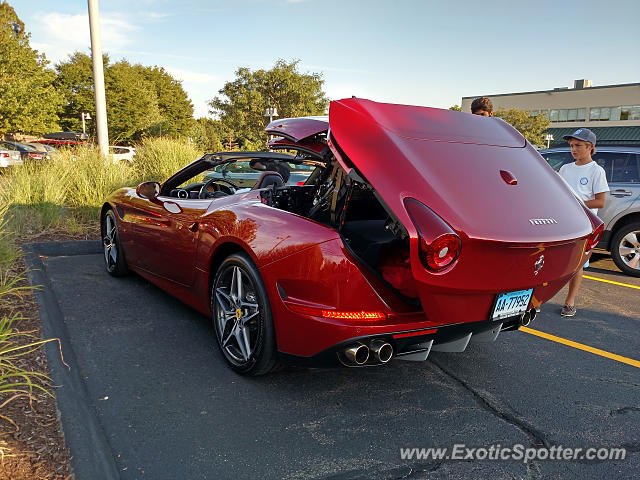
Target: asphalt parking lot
148 396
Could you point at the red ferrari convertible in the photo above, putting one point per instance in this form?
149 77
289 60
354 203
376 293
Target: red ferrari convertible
416 229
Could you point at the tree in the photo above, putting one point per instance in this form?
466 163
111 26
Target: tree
242 102
455 108
208 134
141 101
531 127
29 102
176 110
75 83
132 104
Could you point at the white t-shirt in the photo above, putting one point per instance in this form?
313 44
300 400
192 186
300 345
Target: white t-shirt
585 180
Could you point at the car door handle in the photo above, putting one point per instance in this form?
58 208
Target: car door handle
621 193
194 227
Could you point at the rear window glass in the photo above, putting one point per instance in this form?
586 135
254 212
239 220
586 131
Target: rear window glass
620 167
119 150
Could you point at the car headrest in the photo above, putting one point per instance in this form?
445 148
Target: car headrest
268 179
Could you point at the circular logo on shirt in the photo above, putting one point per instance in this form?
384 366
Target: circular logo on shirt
584 181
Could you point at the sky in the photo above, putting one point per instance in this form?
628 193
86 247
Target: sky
429 53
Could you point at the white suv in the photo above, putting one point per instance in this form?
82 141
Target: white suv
621 213
118 153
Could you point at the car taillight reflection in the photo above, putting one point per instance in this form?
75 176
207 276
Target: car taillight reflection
594 238
598 229
439 245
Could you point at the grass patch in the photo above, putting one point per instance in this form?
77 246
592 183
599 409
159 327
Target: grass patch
66 193
15 381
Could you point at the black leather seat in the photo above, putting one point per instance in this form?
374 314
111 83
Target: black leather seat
268 179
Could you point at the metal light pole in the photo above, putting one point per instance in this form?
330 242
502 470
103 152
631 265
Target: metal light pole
85 116
271 112
98 78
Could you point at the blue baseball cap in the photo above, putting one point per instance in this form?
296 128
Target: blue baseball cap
583 134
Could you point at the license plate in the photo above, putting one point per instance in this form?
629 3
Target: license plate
511 304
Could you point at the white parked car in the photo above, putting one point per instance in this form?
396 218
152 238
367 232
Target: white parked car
9 158
118 153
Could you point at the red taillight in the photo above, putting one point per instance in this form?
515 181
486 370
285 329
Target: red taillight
441 252
337 314
4 155
300 183
439 246
37 156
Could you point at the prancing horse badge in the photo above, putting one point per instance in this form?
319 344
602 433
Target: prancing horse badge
538 265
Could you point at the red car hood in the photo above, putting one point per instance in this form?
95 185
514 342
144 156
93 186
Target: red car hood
453 162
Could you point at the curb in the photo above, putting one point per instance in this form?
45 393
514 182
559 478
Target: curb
91 454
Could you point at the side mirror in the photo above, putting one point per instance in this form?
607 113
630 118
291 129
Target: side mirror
148 190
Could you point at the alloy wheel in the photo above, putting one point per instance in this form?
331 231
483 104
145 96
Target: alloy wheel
238 317
629 249
109 242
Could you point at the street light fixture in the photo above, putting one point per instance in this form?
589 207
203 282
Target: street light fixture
85 116
271 112
548 137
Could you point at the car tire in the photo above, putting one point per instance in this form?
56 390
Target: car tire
242 318
625 249
113 254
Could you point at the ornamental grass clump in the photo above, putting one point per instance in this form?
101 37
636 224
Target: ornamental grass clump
159 158
66 192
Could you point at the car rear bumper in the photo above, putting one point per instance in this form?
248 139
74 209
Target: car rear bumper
10 162
415 345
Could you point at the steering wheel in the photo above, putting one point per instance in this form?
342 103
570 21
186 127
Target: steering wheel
223 185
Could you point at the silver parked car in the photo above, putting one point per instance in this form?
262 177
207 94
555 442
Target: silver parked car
621 213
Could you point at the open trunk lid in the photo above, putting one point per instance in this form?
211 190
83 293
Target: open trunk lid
479 174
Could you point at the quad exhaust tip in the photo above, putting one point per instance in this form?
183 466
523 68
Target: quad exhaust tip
357 353
528 316
382 351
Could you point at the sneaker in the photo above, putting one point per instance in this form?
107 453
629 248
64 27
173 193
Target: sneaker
568 311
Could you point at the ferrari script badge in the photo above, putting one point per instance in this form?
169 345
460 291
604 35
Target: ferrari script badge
538 265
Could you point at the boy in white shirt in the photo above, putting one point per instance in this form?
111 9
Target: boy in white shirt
589 181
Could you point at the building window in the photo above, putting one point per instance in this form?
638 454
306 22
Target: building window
564 115
603 114
615 114
630 112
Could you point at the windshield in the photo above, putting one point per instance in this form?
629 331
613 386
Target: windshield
245 173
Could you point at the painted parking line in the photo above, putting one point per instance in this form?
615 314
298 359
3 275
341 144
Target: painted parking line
580 346
609 281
